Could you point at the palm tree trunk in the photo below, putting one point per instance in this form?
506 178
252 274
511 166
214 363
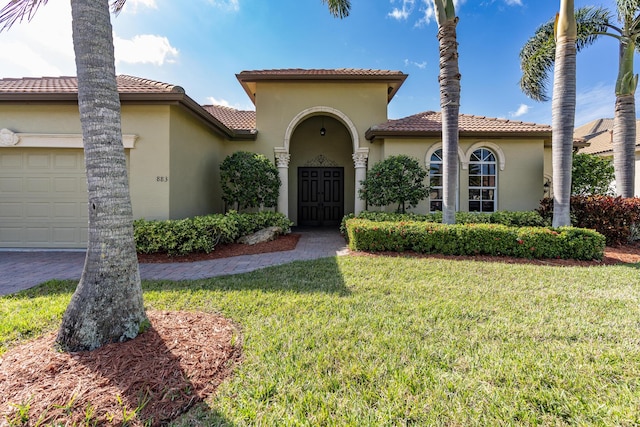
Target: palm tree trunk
563 113
450 107
624 123
624 144
107 305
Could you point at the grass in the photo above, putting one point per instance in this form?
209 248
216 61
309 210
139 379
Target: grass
401 341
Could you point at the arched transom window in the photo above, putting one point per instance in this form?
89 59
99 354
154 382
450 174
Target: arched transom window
482 181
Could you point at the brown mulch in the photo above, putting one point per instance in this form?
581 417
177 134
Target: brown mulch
286 242
178 362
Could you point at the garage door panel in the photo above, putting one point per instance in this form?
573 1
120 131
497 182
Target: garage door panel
39 161
11 185
69 185
13 161
67 161
11 211
38 185
35 211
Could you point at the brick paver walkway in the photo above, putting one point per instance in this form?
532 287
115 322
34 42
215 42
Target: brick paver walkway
23 269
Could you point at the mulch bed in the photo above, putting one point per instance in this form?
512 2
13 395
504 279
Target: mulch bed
286 242
178 362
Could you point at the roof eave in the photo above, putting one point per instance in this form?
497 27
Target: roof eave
372 134
249 81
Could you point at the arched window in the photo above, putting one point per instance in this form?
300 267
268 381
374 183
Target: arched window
435 181
482 181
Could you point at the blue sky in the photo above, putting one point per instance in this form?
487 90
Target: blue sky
201 45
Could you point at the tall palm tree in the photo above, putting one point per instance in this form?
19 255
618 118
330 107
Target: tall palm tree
563 112
536 60
449 103
107 305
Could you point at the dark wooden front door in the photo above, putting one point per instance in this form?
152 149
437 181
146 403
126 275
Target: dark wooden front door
320 196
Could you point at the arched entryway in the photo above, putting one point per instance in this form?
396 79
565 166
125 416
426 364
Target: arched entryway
317 168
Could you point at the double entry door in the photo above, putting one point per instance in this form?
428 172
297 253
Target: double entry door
320 196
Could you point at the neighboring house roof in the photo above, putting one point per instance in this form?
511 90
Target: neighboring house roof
232 118
429 123
393 79
130 88
598 134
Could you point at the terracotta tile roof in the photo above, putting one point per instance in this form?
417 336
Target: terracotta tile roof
322 73
393 79
134 89
69 85
430 123
232 118
598 134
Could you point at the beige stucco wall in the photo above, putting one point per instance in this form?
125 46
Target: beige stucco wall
33 118
196 153
519 184
362 105
149 160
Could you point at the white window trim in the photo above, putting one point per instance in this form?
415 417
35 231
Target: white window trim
495 186
497 151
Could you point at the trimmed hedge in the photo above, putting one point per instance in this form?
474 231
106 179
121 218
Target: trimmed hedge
475 239
516 219
201 233
613 217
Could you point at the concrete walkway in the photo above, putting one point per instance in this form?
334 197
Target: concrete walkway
23 269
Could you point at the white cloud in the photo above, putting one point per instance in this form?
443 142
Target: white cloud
41 47
521 111
214 101
422 65
595 103
144 49
513 2
230 5
403 13
132 6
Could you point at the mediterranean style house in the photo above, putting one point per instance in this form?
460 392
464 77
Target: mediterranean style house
323 129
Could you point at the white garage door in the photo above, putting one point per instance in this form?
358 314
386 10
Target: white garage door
43 198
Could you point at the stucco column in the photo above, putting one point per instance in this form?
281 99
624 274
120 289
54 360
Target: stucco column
360 162
282 162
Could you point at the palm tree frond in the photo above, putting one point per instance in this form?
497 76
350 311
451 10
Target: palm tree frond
117 5
592 22
537 56
17 10
338 8
536 60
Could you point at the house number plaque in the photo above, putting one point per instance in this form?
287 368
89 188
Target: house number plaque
162 179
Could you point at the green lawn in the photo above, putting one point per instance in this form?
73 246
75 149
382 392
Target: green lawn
400 341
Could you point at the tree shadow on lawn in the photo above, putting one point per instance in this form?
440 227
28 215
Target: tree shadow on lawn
321 275
316 276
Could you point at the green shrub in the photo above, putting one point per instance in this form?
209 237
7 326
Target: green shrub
249 180
395 180
474 239
613 217
201 233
